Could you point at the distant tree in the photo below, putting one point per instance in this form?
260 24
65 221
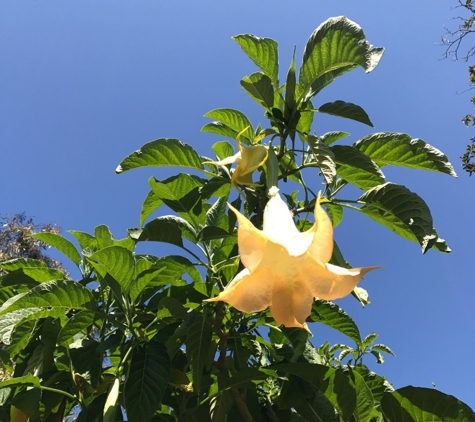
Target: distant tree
16 240
453 40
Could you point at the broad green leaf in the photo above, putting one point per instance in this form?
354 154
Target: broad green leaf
151 277
105 239
399 149
150 204
235 120
180 193
6 293
245 376
382 348
220 406
337 46
18 263
86 241
210 233
411 404
198 343
335 212
324 158
331 137
259 87
215 215
31 276
298 338
24 381
118 262
169 306
75 324
9 321
305 121
61 244
219 128
364 399
357 168
60 295
147 380
347 110
168 229
368 340
223 149
263 52
162 152
402 211
23 332
333 383
333 316
376 383
290 94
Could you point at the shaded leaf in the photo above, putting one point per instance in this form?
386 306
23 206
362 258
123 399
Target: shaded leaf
402 211
347 110
26 380
19 263
162 152
399 149
148 378
364 399
337 46
263 52
259 87
219 128
356 167
75 324
324 158
410 404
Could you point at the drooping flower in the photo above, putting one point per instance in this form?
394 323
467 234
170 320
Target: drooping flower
248 159
284 268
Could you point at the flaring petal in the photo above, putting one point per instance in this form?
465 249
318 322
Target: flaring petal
321 247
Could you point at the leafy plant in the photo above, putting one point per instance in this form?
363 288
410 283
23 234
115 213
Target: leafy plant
134 336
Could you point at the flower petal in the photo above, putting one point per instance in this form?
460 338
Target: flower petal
321 247
252 157
248 292
236 158
330 282
251 241
278 222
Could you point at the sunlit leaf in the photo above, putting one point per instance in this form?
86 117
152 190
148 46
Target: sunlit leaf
263 52
150 204
324 158
331 137
85 240
364 399
148 378
335 212
399 149
333 316
61 244
26 380
347 110
162 152
76 324
233 119
337 46
410 404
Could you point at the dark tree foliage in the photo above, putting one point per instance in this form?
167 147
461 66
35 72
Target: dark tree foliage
453 41
16 240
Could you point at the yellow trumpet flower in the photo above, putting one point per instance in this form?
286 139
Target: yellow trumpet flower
284 268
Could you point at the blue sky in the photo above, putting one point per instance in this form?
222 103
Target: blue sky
85 83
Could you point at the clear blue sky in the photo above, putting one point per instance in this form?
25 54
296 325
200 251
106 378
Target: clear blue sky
84 83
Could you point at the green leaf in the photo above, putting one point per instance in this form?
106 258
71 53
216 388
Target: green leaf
180 193
347 110
376 383
24 381
148 378
198 343
57 295
162 152
382 348
86 241
290 94
331 137
219 129
259 88
335 212
223 149
364 399
118 262
233 119
399 149
356 167
9 321
105 239
263 52
333 316
333 383
410 404
168 229
61 244
19 263
150 204
337 46
324 158
31 276
75 324
402 211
